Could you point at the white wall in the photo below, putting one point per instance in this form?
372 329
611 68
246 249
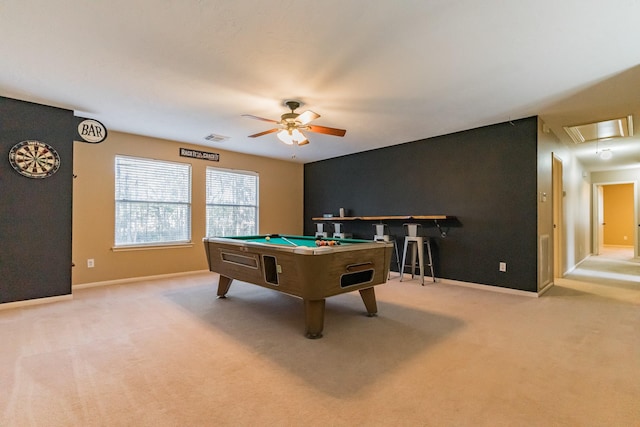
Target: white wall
576 200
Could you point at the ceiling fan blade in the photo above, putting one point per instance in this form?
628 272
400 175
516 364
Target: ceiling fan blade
266 132
328 131
305 142
260 118
307 116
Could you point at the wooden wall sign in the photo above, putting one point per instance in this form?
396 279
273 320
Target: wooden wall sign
195 154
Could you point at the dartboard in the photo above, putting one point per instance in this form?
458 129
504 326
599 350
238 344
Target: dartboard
34 159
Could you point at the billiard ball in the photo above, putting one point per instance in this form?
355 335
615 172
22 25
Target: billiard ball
267 238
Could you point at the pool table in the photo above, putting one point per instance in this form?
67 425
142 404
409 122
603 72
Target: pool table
296 266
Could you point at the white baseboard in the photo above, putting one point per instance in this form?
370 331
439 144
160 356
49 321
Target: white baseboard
34 301
545 289
490 288
136 279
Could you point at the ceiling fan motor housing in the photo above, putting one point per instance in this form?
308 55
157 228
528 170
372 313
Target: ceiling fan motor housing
289 117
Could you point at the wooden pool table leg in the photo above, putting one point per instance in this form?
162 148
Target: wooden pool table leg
369 298
314 318
223 285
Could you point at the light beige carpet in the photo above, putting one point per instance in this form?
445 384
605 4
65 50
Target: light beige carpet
168 353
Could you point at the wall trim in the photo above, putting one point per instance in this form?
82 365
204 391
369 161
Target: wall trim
136 279
570 270
545 289
35 301
492 288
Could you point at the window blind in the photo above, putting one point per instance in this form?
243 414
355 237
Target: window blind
232 202
152 201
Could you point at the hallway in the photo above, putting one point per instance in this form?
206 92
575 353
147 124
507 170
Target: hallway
613 274
623 253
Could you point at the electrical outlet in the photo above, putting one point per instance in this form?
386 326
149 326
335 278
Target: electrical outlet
90 263
625 237
503 266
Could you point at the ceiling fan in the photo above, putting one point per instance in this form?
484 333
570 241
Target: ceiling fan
291 125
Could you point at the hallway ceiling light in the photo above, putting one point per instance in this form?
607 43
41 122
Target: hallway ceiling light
606 154
601 131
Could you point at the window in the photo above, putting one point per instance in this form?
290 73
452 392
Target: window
153 202
232 203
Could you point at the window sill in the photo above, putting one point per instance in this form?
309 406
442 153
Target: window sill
151 247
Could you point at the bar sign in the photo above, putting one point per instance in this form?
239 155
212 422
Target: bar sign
91 131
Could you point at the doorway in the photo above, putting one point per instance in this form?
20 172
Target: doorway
614 218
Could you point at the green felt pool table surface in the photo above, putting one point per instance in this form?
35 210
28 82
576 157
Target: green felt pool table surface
290 240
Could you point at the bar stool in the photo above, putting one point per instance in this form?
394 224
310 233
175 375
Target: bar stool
417 246
382 235
320 230
338 232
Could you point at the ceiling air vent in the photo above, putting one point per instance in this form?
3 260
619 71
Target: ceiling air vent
216 138
601 131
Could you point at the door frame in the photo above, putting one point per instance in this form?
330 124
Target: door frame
557 199
598 214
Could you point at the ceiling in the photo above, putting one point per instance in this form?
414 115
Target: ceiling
387 71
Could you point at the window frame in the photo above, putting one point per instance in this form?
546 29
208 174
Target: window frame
188 242
235 172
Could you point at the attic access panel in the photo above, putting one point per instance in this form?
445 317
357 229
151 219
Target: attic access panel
600 131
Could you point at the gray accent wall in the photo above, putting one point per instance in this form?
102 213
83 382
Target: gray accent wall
35 214
485 177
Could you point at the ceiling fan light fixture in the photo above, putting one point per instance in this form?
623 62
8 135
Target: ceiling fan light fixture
285 137
297 136
291 136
